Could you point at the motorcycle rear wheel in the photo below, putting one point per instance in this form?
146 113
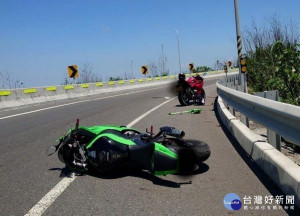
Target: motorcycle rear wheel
183 98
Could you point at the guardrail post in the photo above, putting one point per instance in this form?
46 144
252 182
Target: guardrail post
231 110
244 119
273 138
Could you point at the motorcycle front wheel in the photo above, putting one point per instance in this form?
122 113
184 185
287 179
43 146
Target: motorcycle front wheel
203 97
200 148
190 155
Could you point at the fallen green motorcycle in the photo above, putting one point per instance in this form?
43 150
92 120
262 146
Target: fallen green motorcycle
105 148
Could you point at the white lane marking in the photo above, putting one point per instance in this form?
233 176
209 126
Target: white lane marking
39 208
47 108
147 113
49 198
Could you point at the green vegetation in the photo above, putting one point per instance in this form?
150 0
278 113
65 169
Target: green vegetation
200 69
114 78
273 60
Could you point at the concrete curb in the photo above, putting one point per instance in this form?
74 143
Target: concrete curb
284 172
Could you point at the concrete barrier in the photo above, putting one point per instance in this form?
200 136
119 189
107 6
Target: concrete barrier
284 172
10 98
22 97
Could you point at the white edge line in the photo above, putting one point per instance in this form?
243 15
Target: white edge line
47 108
39 208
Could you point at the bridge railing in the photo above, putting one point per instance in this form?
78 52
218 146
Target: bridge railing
282 118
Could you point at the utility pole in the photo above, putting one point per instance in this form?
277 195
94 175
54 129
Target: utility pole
242 80
178 50
3 84
242 77
131 70
163 59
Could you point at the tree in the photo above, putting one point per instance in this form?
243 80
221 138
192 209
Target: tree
6 82
153 69
86 74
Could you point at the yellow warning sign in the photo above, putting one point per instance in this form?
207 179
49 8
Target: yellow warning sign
144 69
73 71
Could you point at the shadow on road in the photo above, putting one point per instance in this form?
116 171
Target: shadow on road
265 180
135 172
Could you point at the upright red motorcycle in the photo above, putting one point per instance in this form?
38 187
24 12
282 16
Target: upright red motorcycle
191 91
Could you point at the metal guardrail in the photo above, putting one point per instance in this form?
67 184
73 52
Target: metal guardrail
282 118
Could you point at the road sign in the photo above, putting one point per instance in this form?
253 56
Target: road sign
73 71
229 63
144 69
243 65
225 69
191 66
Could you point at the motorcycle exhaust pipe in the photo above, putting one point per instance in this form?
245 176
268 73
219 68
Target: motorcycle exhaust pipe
172 131
177 133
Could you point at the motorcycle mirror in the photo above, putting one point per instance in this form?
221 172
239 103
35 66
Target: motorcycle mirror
51 150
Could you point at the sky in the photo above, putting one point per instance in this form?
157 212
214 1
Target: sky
39 39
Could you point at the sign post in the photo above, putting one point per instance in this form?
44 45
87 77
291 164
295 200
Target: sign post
226 71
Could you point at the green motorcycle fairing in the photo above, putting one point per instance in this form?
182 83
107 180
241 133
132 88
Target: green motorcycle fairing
113 137
167 153
160 155
100 128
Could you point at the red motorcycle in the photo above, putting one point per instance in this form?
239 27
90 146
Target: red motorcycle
191 91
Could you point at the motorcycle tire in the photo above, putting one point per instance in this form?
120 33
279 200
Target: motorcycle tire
200 148
182 100
191 155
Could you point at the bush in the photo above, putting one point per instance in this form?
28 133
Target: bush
114 78
200 69
273 60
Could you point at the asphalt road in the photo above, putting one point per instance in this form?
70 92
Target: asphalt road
27 174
